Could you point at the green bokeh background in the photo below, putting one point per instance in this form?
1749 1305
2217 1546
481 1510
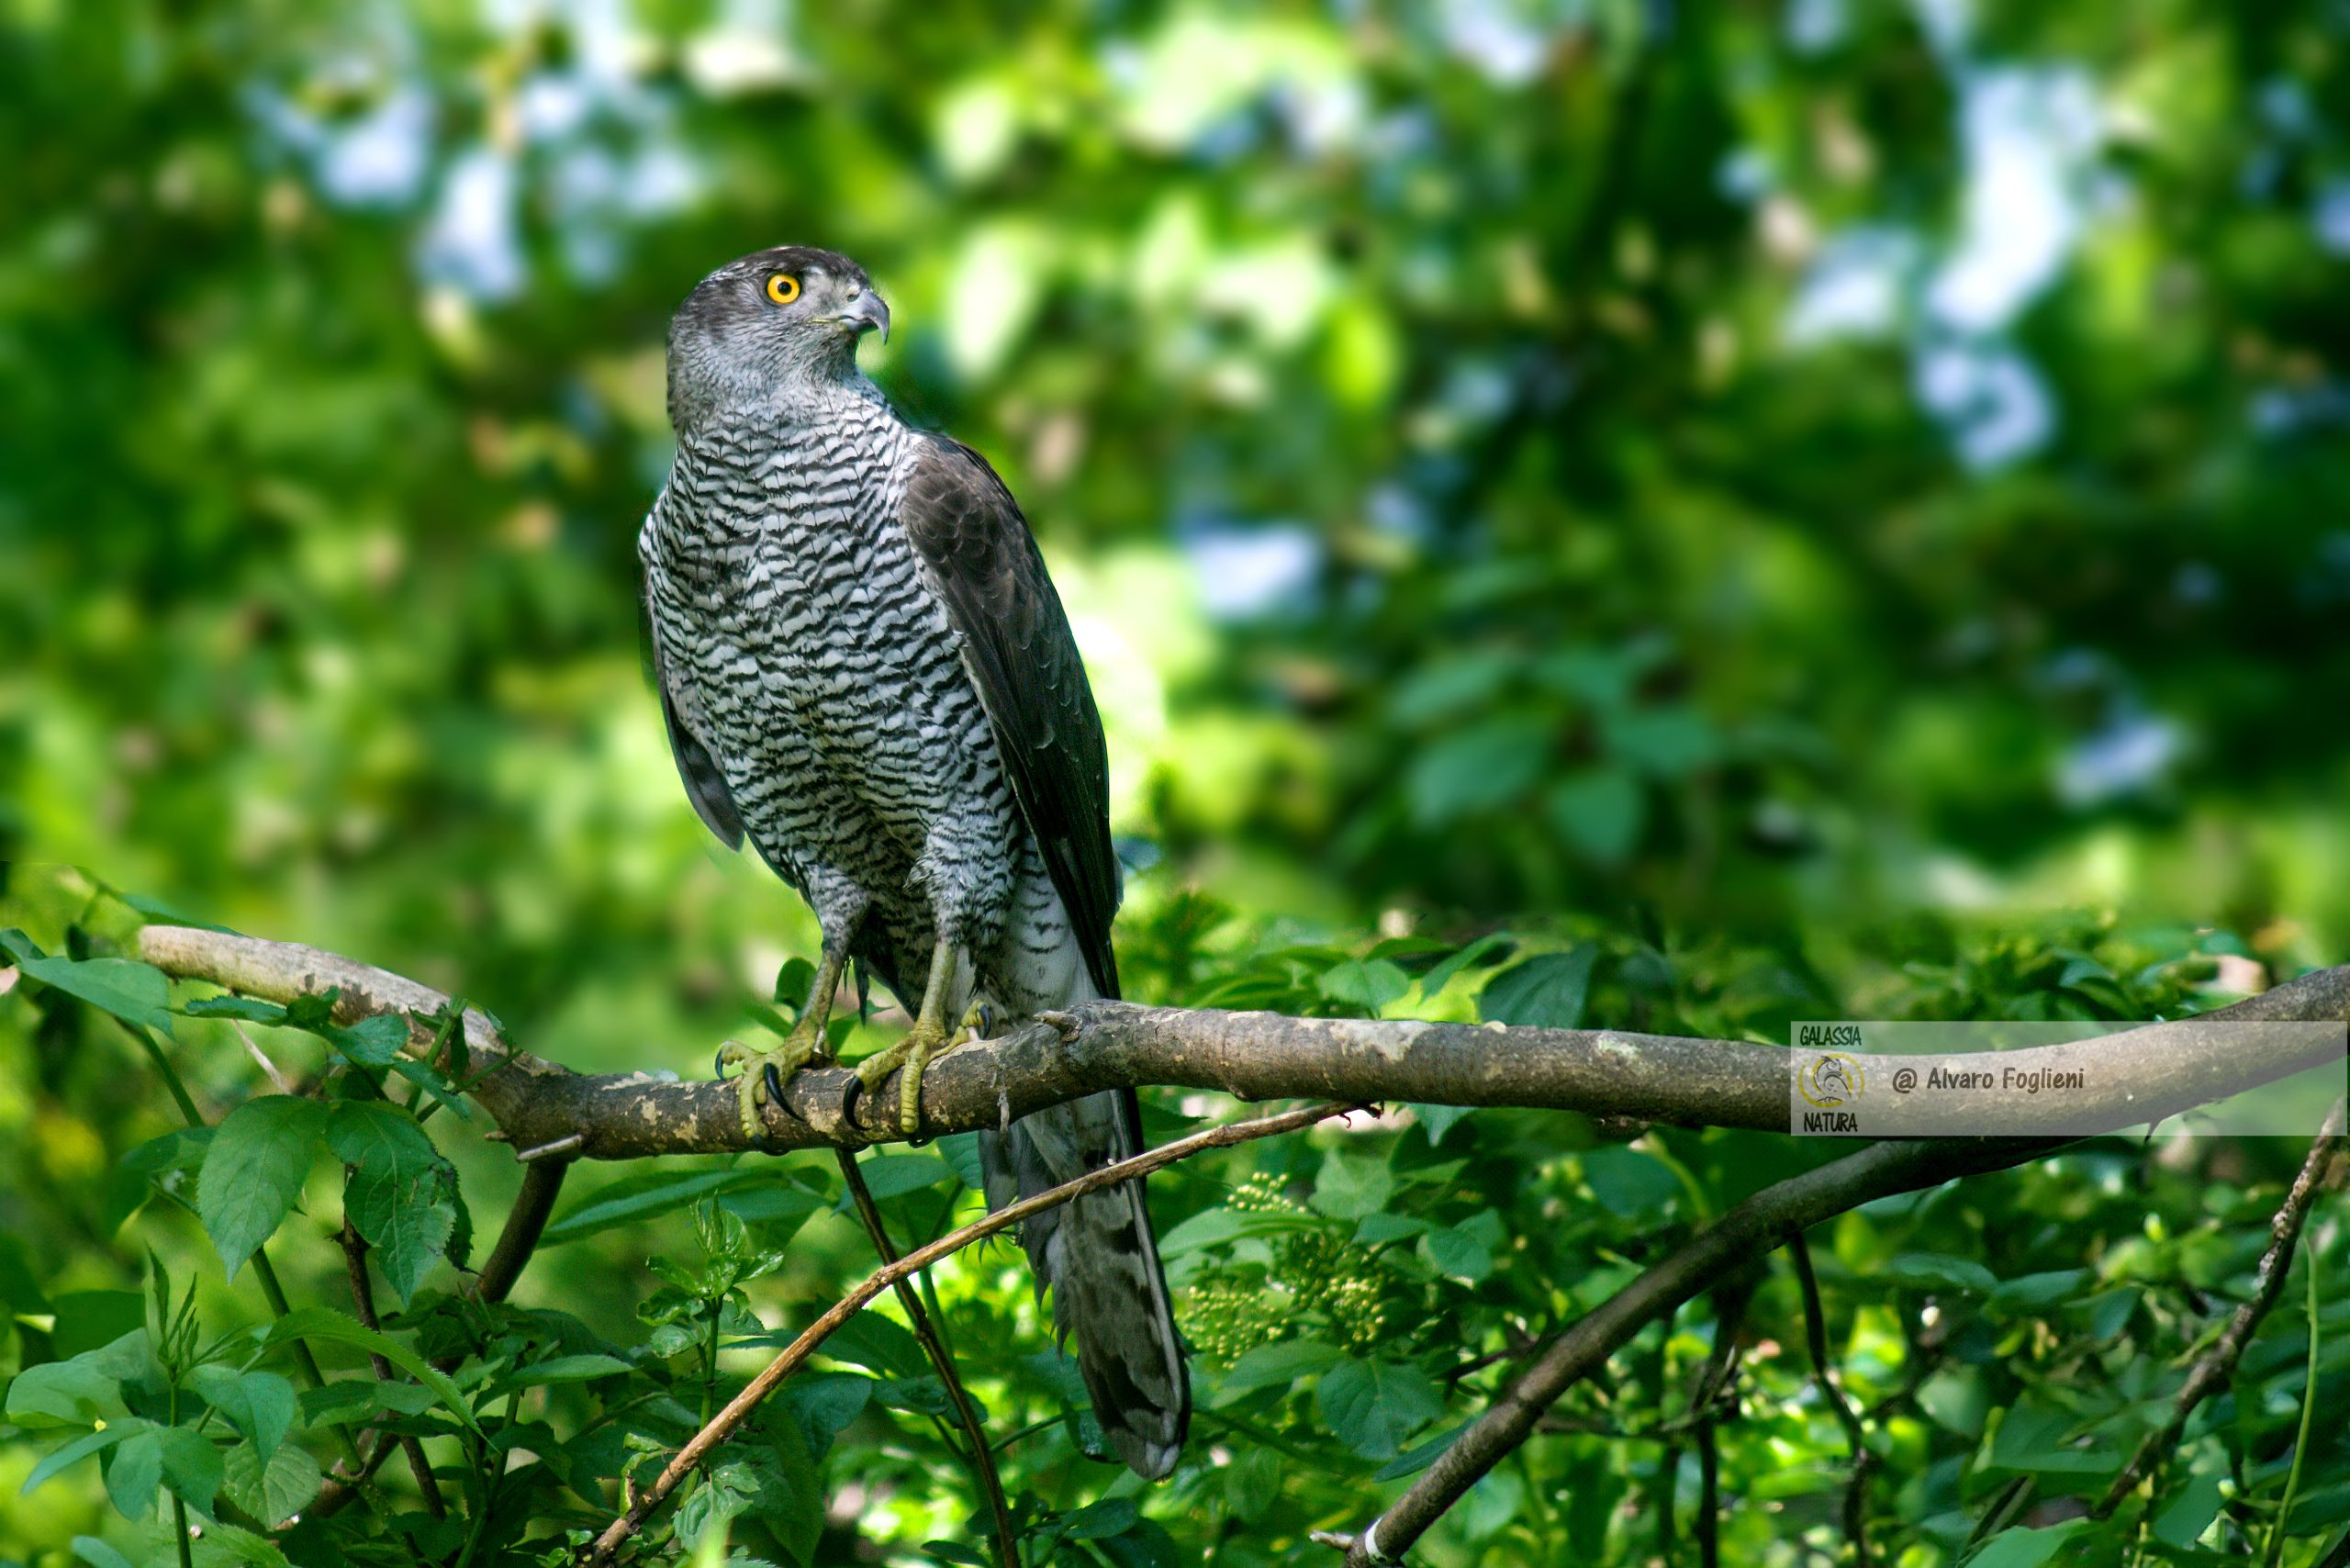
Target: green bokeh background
1797 483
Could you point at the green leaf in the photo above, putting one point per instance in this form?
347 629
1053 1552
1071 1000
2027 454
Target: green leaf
562 1369
362 1399
253 1171
1442 973
1598 813
1418 1457
1934 1271
379 1137
98 1554
191 1465
1441 1119
1371 1406
1478 770
2021 1548
1378 1229
2039 1439
261 1404
402 1194
135 993
1667 744
224 1540
1629 1182
1456 1252
134 1471
894 1175
1100 1520
325 1323
650 1193
272 1490
727 1492
1349 1188
2028 1292
1252 1484
78 1392
2189 1515
869 1340
1276 1365
1449 685
1368 984
1546 992
408 1222
80 1448
823 1403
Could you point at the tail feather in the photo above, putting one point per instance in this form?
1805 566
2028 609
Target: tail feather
1099 1256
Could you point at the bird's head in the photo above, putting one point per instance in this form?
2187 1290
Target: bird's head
765 325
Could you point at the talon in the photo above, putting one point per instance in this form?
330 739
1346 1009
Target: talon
775 1086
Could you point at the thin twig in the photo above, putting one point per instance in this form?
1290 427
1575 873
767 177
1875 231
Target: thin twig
738 1409
983 1456
1815 1334
362 1300
277 1080
2218 1364
1707 1404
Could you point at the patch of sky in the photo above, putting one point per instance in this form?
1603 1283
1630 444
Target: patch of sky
1245 571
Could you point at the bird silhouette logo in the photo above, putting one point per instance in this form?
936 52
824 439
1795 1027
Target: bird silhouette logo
1832 1079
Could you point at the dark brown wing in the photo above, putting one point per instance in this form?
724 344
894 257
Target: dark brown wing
1017 645
705 784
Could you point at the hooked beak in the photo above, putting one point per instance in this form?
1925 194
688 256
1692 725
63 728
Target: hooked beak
867 310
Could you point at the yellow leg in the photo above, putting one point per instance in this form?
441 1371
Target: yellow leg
765 1072
926 1040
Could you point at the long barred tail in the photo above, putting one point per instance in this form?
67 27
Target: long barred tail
1102 1261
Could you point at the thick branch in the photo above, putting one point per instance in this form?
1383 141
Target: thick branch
2146 1073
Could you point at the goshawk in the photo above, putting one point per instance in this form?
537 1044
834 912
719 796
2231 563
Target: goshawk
866 671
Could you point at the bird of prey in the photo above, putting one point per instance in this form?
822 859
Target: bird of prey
867 672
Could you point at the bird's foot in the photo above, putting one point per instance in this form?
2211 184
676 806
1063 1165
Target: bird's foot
924 1043
764 1073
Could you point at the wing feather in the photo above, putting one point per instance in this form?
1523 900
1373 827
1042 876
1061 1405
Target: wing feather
985 565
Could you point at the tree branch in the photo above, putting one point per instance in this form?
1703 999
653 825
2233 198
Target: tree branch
1754 1226
738 1409
2218 1364
2156 1070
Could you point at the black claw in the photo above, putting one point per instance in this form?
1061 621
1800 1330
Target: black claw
850 1092
775 1087
717 1065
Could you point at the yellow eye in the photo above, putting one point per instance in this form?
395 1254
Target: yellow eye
783 289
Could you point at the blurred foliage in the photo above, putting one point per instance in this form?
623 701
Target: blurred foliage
1692 518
